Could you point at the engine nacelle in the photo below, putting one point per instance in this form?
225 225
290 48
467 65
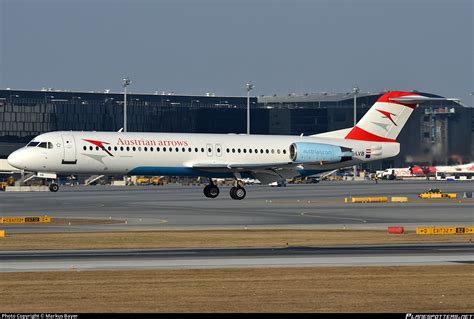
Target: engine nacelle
319 153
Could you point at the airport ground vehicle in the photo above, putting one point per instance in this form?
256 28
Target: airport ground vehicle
433 193
142 180
9 182
394 173
156 180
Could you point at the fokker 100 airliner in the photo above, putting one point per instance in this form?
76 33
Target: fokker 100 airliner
263 157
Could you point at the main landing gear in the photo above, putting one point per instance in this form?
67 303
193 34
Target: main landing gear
211 190
237 192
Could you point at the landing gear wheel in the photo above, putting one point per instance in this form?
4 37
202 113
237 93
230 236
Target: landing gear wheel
211 191
53 187
237 193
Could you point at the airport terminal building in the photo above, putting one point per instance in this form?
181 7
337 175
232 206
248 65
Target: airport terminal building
437 133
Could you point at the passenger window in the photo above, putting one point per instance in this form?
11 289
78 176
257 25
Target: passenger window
151 149
196 149
233 150
109 148
284 151
115 148
250 150
278 151
245 150
190 150
202 149
157 149
96 148
170 149
266 151
128 148
134 148
121 148
176 149
238 150
164 149
145 149
183 149
261 151
273 151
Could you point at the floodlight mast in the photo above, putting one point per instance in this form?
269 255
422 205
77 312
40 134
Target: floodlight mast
355 90
125 83
249 86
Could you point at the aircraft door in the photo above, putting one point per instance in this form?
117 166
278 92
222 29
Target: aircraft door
69 147
218 150
209 150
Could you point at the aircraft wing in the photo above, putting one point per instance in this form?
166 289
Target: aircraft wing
265 172
241 167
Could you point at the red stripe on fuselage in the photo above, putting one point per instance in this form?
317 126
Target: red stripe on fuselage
362 135
100 144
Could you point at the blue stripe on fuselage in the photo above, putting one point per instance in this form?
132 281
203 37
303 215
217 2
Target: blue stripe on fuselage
188 171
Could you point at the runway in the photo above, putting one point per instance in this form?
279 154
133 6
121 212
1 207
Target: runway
297 206
391 255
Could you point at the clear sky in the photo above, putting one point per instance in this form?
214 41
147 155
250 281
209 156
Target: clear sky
199 46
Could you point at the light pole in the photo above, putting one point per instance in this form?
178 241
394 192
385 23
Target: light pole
249 86
355 90
125 82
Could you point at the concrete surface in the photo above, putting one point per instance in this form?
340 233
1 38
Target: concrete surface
296 206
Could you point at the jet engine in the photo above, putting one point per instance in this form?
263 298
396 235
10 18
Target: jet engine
319 153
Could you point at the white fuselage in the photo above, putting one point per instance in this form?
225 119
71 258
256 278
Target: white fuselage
211 155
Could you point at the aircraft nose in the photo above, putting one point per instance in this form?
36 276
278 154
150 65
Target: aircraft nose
17 159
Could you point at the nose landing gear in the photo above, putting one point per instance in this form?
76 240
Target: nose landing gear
53 187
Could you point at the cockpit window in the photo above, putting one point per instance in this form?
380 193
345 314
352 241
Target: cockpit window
40 144
33 144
